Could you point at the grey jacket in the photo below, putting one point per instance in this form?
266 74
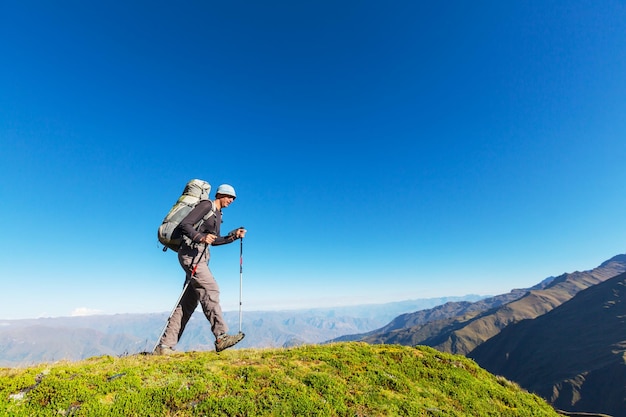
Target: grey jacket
211 225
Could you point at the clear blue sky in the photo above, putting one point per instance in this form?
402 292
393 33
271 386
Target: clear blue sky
381 151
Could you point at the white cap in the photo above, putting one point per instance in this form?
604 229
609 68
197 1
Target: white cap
226 189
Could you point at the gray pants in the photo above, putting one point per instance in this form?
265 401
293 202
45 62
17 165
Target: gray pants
202 289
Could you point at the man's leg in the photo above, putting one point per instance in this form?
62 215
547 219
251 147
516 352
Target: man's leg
187 257
208 293
177 322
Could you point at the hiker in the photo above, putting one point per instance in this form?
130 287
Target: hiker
193 256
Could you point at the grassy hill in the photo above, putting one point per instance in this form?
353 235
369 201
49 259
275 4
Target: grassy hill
342 379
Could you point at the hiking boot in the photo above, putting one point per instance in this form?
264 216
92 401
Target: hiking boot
225 341
164 350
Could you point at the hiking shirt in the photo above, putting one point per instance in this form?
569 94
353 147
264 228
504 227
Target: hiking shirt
211 225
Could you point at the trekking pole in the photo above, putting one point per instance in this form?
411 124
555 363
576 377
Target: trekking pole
193 272
240 278
171 314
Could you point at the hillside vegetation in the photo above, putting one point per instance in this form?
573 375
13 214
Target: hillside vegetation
342 379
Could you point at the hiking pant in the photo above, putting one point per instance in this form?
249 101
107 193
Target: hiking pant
202 289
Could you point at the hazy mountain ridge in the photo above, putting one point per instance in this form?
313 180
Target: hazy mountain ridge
30 341
574 356
445 314
442 316
464 327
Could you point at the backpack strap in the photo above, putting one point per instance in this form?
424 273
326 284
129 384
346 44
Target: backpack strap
201 222
205 217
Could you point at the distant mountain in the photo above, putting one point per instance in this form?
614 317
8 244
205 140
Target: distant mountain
442 314
574 356
461 327
28 342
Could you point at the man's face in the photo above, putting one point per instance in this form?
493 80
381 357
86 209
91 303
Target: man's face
225 200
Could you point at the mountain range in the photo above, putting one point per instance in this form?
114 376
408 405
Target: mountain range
32 341
574 356
459 327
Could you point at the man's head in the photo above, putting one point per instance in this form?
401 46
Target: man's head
225 194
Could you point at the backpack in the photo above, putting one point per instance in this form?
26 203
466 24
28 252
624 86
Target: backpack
194 192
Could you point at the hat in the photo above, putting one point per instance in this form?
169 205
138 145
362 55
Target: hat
226 189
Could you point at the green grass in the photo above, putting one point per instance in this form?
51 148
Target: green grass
344 379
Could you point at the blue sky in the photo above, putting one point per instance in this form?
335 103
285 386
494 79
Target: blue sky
381 151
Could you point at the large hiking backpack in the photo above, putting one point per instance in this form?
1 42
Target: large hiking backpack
194 192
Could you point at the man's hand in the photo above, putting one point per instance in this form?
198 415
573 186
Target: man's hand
208 239
240 233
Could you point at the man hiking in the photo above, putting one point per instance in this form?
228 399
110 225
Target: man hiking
202 288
